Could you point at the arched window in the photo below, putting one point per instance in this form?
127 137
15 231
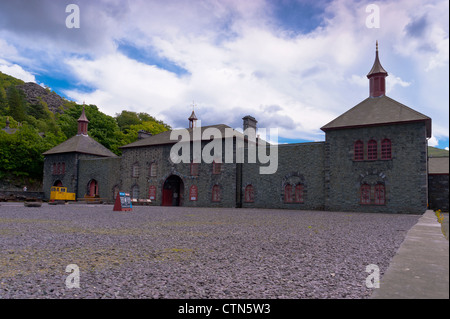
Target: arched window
299 193
92 188
365 194
358 151
372 150
216 193
153 169
288 194
380 198
63 168
217 168
58 168
135 171
194 169
135 192
54 169
386 149
249 194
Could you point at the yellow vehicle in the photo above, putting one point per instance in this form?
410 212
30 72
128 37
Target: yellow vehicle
60 193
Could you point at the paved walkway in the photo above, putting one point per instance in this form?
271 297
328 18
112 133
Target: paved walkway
420 269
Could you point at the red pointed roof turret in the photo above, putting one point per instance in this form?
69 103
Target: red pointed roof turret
83 123
193 118
377 77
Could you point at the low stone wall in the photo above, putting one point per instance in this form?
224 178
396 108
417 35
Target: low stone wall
20 196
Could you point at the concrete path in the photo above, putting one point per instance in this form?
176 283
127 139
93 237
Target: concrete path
420 269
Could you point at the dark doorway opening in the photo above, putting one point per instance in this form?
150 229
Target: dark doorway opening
173 190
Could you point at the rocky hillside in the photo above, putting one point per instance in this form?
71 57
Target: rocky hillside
35 93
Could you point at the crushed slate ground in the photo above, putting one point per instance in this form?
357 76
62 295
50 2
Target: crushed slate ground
201 253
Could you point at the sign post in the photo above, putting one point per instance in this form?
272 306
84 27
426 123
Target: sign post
123 202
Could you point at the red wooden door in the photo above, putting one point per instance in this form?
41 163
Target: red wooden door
167 197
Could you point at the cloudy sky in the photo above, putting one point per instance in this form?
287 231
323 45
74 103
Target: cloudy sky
292 64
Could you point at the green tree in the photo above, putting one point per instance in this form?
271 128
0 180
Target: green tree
17 104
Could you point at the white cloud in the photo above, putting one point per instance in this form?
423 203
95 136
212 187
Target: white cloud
16 71
239 62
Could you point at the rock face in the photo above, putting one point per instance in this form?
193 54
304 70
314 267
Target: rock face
34 93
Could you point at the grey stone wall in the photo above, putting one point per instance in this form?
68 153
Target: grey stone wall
438 191
160 154
297 163
404 176
106 171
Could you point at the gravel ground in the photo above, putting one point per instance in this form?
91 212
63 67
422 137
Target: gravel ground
163 252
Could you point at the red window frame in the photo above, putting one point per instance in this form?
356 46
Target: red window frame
54 169
288 194
249 194
386 149
194 169
358 154
217 168
299 198
63 168
216 193
365 194
372 150
380 194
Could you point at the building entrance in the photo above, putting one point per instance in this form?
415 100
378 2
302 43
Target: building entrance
173 190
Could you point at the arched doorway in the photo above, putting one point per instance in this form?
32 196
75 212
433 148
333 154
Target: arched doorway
58 183
172 193
92 188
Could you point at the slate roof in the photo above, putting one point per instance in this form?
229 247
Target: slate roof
380 110
164 137
81 144
438 165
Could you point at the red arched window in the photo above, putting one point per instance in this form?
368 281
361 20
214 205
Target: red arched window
386 149
217 167
299 193
372 150
365 194
380 198
249 194
63 168
288 194
58 168
194 169
54 169
358 151
216 193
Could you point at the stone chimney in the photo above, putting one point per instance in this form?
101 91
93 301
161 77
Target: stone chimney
249 121
143 134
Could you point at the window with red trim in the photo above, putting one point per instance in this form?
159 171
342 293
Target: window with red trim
249 194
194 169
217 167
386 149
299 193
372 150
54 169
216 193
380 198
288 194
365 194
358 151
63 168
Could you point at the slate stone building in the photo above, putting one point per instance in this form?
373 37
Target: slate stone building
373 159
